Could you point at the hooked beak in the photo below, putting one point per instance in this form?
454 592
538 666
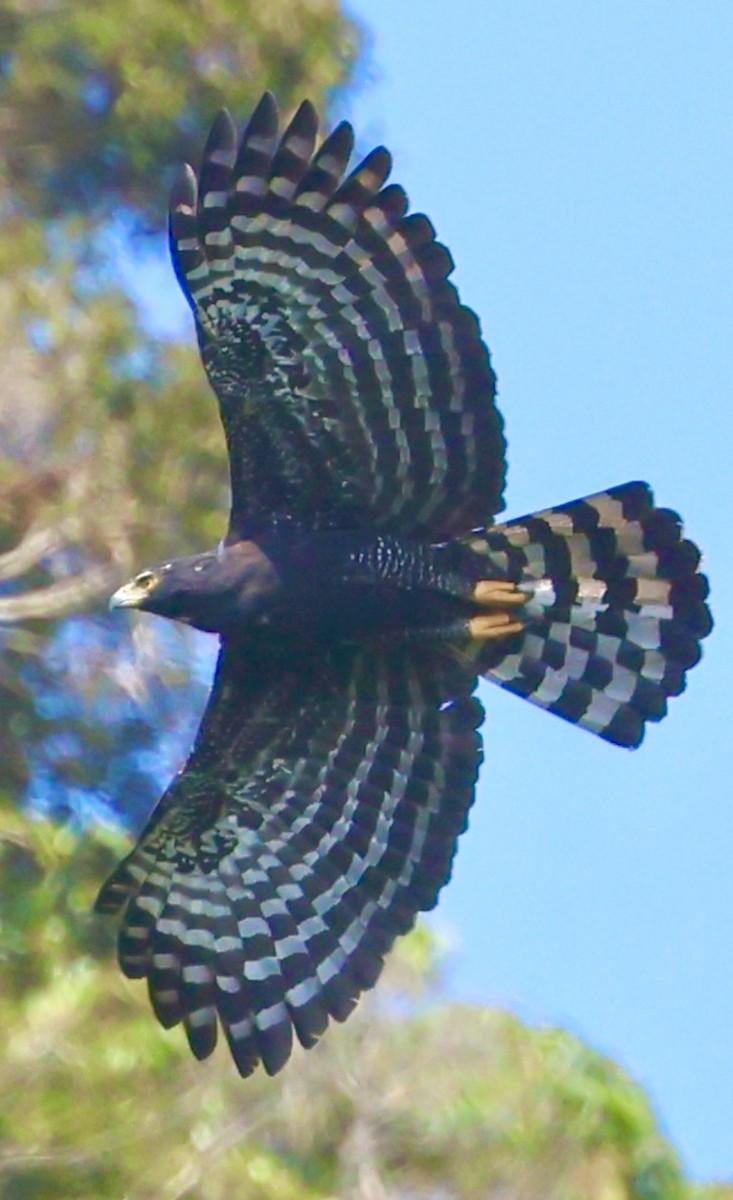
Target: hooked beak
130 595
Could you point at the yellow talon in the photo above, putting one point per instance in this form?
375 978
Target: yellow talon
497 593
493 625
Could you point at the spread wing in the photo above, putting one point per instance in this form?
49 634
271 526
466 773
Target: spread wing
318 813
354 387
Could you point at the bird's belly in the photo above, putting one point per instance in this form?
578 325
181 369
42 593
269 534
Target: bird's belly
355 611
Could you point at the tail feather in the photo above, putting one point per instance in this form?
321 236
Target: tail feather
615 610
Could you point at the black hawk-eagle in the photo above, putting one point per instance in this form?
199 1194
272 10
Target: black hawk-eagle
361 590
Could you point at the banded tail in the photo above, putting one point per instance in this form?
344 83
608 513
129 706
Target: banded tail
615 615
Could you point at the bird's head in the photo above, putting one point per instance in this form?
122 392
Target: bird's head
216 592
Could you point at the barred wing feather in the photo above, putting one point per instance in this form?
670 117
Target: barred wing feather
316 816
354 387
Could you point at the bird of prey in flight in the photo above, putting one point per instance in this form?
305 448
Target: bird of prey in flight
361 590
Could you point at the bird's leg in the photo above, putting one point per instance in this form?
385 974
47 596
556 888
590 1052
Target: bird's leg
501 598
486 627
492 626
497 593
500 595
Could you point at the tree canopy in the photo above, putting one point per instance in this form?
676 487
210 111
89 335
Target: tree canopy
413 1097
102 423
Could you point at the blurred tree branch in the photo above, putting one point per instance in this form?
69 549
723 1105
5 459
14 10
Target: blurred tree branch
112 451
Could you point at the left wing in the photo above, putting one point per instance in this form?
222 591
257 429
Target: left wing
317 814
354 387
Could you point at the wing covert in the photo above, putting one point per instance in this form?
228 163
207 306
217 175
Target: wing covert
354 387
318 813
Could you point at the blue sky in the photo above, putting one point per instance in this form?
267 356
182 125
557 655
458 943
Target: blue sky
576 157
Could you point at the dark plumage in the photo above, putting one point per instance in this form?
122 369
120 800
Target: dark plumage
360 591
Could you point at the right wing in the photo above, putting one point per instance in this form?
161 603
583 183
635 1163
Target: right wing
318 813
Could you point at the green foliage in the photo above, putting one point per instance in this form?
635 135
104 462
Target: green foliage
410 1098
114 456
102 95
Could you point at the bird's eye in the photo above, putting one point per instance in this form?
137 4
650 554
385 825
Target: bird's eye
203 565
146 579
